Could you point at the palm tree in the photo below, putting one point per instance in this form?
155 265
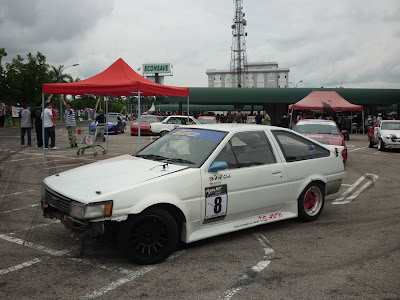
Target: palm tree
56 75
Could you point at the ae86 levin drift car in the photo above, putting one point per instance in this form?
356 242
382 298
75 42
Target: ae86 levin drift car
385 133
196 182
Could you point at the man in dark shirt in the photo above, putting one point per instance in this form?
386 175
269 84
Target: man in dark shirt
259 118
38 124
229 118
238 117
346 125
100 118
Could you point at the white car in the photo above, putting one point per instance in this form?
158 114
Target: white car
385 133
123 117
196 182
171 123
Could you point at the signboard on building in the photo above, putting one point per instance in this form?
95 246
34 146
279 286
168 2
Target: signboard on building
156 68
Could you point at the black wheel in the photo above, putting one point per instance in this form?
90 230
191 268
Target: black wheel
311 202
77 153
371 144
381 145
162 133
104 152
83 151
95 154
150 237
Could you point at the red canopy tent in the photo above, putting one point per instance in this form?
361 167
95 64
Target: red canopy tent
327 101
118 80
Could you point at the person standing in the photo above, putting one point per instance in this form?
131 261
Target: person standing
38 124
259 118
70 123
238 117
346 125
2 113
229 117
49 123
267 118
26 124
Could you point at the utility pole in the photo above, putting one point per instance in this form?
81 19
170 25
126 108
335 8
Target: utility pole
238 49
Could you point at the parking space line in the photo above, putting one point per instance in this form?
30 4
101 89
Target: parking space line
357 149
21 242
248 277
17 193
35 227
347 196
132 276
17 209
96 264
21 266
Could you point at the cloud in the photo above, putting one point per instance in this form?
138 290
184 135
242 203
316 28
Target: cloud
324 43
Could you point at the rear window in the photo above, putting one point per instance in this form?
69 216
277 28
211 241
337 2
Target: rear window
296 148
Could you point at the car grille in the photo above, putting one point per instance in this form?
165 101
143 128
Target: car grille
56 200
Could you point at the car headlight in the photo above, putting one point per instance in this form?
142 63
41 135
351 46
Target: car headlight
91 211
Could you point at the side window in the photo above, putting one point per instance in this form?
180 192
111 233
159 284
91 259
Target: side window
247 149
296 148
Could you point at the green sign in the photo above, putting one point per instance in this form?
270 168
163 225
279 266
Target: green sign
156 68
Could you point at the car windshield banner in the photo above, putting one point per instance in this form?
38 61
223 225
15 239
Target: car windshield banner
209 135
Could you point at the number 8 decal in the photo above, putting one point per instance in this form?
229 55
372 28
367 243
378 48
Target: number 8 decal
216 201
217 206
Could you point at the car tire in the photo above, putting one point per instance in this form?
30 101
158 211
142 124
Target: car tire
132 134
311 202
381 145
371 144
162 133
149 237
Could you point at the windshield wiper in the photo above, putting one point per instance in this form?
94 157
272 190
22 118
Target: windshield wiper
152 156
180 160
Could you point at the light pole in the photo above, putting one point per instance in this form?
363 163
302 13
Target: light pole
59 81
296 83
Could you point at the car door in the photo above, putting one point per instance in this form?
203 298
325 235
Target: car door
253 184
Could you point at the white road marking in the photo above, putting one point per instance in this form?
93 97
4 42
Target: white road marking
21 266
63 166
101 266
35 226
132 276
347 196
17 209
36 247
356 149
377 152
17 193
261 265
345 184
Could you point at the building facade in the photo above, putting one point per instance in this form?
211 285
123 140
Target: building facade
258 75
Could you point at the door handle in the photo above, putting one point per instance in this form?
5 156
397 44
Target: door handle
274 172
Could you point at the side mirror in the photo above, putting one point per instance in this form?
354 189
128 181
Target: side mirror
344 132
217 166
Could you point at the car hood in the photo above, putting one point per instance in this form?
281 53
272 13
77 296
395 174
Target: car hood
107 176
391 132
327 139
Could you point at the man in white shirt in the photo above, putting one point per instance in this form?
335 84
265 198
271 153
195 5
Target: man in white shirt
49 124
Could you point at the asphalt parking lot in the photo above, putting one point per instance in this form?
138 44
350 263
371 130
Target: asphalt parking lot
351 252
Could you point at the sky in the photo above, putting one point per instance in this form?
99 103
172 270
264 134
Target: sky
349 43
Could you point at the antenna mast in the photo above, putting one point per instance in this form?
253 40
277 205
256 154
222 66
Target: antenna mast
238 49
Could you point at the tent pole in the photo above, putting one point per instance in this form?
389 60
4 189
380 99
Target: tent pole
188 109
139 120
363 120
44 148
106 99
291 117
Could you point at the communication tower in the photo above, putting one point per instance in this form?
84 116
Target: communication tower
238 50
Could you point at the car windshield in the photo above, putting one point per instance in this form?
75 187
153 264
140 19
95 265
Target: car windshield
150 119
207 120
112 119
190 147
390 125
323 128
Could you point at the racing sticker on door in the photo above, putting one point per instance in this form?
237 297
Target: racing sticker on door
216 202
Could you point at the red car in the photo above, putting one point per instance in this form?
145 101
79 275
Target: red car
145 122
324 132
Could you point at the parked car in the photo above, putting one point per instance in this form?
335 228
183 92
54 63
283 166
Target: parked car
123 117
145 122
207 119
323 131
115 125
171 123
251 120
385 134
196 182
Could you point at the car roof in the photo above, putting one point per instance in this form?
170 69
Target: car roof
228 127
181 116
315 121
390 120
206 117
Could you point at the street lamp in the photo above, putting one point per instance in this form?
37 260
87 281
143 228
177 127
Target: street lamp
296 83
59 81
